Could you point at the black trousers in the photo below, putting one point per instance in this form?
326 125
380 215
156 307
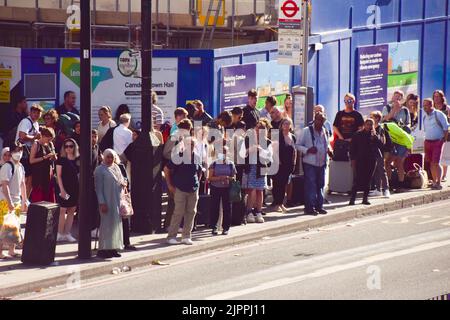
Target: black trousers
280 181
363 177
218 194
126 231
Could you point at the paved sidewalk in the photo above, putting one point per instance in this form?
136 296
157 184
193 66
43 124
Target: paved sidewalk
15 278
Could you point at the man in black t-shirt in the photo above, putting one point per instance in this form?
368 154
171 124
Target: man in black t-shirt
251 114
348 121
69 104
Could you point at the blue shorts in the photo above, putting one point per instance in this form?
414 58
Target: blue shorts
399 151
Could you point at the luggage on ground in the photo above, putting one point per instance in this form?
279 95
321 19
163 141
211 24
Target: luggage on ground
298 191
340 177
414 158
40 234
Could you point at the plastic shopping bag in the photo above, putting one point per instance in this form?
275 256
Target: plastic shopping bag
10 230
446 155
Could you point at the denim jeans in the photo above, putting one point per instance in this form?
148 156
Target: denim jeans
314 186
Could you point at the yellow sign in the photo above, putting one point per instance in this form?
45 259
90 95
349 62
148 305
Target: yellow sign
5 96
203 12
6 73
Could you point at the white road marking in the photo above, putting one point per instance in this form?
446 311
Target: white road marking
434 220
329 270
242 247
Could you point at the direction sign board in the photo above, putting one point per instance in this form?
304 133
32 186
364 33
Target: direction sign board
290 32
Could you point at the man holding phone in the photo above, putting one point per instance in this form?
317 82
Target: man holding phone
315 147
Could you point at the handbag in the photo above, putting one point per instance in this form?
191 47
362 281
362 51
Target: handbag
126 208
341 150
417 178
235 192
10 230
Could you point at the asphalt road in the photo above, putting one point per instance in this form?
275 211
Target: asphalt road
405 255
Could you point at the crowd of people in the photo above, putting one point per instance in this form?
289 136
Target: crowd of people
232 160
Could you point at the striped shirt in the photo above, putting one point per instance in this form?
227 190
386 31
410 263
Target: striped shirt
157 117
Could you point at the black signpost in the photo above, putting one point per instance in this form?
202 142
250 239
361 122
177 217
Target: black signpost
84 241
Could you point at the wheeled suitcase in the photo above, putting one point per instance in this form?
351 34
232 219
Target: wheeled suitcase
340 177
298 191
40 234
238 213
203 208
414 158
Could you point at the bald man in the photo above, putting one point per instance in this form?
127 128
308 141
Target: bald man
327 125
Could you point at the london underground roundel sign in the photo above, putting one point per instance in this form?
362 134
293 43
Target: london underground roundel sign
290 8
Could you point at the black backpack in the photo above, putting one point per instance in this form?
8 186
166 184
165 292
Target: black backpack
10 138
108 140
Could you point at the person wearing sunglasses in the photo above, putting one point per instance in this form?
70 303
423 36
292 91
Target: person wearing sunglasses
347 121
67 170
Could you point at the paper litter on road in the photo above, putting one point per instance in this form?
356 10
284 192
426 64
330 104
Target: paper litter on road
159 263
350 225
116 271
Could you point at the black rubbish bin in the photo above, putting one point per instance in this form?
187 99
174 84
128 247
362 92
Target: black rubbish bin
40 234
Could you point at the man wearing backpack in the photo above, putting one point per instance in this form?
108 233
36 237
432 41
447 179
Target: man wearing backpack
27 133
315 147
436 127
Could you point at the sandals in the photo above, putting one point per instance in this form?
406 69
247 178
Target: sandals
15 255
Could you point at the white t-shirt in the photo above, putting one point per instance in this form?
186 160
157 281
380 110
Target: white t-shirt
26 126
102 129
122 138
14 181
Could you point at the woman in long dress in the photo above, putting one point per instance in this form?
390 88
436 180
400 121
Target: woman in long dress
109 184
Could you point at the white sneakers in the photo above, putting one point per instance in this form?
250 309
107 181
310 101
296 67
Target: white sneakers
259 218
186 241
375 193
60 237
65 237
172 241
252 219
70 238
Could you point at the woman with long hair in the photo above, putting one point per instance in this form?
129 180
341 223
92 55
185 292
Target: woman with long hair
42 160
109 183
287 154
412 103
51 120
106 122
67 170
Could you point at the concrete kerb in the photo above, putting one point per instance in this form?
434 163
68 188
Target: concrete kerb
340 215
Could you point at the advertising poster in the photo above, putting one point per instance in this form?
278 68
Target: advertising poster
268 78
10 72
382 69
112 86
236 82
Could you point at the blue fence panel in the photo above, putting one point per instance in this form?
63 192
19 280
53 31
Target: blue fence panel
412 9
433 64
435 8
